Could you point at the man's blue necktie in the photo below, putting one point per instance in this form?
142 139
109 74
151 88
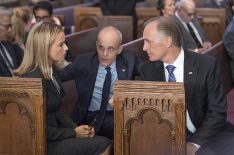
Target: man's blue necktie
171 77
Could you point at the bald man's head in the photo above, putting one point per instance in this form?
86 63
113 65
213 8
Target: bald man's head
188 4
108 44
186 10
112 33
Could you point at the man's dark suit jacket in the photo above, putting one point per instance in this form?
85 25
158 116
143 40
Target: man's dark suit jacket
187 40
84 71
228 41
206 102
118 7
16 54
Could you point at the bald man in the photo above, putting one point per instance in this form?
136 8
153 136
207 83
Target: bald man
193 35
89 72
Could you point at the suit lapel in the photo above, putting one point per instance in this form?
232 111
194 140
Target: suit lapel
190 75
11 52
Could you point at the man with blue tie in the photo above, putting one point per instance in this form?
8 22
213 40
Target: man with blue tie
94 74
206 102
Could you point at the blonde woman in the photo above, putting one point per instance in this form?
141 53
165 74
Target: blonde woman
44 47
21 24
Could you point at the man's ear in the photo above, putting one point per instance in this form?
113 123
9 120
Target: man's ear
120 49
168 41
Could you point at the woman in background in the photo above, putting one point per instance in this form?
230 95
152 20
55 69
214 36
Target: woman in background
44 47
21 24
166 7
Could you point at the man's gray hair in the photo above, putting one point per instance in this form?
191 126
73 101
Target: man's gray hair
5 12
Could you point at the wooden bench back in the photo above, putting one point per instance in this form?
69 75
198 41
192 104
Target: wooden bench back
22 116
82 42
123 23
86 17
149 118
143 14
213 22
67 12
90 17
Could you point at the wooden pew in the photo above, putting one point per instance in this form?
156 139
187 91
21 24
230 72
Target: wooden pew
22 116
82 42
123 23
149 118
67 13
90 17
143 14
213 22
86 17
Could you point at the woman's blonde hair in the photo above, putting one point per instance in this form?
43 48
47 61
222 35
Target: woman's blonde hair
21 17
36 55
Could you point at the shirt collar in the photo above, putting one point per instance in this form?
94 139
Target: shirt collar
179 60
112 66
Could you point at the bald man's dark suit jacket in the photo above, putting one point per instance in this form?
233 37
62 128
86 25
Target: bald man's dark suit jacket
206 102
16 54
84 71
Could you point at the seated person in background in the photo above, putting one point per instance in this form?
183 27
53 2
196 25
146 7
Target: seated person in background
94 74
43 11
193 36
21 24
166 7
10 54
228 37
207 130
120 8
45 46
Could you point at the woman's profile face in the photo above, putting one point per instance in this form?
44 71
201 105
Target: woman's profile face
169 8
58 49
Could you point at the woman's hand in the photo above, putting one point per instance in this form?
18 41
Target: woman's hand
84 131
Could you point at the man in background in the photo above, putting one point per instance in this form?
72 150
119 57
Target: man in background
10 55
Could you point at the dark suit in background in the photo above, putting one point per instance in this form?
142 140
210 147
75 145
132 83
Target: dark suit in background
16 55
84 71
187 40
61 137
206 102
228 40
120 8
